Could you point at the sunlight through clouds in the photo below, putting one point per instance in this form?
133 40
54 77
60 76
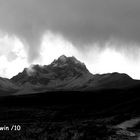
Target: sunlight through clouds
14 56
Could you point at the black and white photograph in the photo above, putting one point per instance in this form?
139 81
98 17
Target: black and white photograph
69 69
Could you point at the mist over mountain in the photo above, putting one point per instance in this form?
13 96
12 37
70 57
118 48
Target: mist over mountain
64 74
63 68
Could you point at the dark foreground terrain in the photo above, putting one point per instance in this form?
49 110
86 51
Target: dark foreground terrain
97 115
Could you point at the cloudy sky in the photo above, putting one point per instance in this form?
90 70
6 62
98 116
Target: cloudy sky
104 34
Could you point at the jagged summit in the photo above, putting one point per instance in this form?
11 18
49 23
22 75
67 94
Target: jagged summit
63 74
62 58
67 74
63 61
61 69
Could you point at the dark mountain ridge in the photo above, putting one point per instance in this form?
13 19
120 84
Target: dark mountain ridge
62 68
64 74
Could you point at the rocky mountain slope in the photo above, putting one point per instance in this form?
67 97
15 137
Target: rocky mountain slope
63 74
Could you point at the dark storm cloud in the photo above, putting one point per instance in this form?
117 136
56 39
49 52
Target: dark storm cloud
80 21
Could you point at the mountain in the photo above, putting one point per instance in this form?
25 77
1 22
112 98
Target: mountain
61 69
63 74
66 74
7 87
111 81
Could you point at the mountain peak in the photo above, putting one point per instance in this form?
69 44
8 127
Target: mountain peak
60 69
64 60
68 73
